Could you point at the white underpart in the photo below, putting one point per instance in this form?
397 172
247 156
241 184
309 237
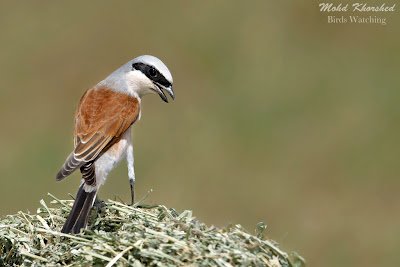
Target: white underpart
109 160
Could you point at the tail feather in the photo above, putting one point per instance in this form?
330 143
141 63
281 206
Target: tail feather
79 214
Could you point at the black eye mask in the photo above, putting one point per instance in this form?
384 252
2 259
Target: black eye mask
152 73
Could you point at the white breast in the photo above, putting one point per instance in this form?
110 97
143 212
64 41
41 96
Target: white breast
109 160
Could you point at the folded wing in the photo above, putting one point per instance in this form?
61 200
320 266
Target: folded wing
101 119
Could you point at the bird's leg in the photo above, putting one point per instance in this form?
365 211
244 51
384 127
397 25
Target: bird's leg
131 171
132 183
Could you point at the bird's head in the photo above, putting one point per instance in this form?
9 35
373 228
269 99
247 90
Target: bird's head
147 74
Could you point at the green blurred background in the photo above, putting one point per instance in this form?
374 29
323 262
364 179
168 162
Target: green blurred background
279 116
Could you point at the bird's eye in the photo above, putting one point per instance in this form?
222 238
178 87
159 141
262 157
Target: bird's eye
152 72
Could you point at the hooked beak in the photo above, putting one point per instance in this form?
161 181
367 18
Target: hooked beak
160 92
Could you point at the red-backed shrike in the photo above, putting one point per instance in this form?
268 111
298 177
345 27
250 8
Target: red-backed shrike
102 135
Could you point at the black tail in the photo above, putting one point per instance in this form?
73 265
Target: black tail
79 214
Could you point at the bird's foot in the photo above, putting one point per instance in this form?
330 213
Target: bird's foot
99 204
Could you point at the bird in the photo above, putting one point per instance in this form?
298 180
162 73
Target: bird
102 130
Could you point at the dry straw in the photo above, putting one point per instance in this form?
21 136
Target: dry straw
122 235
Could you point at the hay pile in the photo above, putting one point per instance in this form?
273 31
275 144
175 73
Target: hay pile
124 235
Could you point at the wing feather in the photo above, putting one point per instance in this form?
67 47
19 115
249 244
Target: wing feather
101 118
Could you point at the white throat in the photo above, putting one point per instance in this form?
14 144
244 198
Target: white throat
133 83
